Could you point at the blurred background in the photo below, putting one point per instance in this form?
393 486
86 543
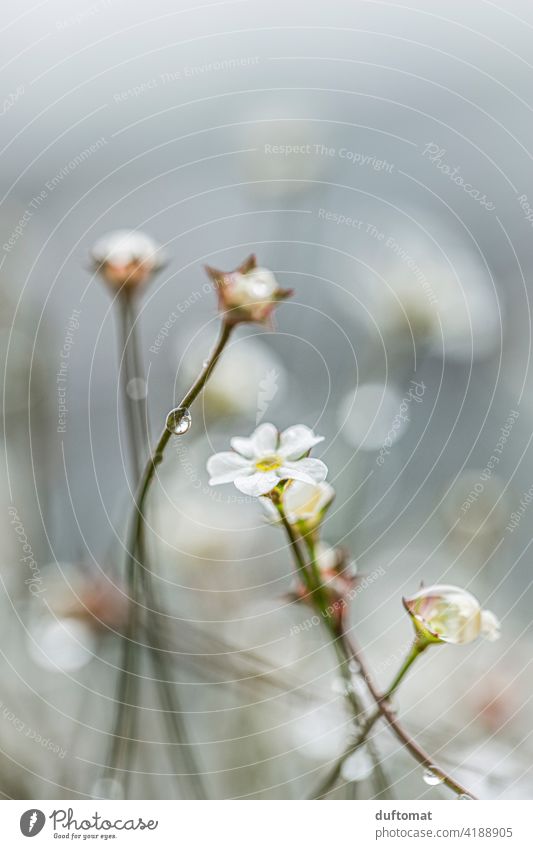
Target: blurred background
377 157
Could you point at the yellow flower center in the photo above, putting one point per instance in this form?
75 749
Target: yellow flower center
268 464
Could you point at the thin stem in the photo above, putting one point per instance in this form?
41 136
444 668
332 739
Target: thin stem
136 560
329 781
344 662
384 709
416 649
123 303
310 576
139 373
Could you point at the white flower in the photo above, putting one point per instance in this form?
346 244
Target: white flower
258 463
447 614
127 257
302 502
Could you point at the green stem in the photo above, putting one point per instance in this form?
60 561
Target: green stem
329 781
137 565
416 649
310 575
350 653
383 708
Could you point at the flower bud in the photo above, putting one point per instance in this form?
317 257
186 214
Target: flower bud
126 259
248 293
305 504
447 614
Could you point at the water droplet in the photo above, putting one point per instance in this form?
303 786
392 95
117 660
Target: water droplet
357 766
137 388
465 797
205 363
179 421
432 778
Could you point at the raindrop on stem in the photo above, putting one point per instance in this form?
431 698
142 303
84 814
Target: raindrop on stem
179 421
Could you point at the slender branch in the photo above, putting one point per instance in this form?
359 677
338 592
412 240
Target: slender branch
329 781
136 562
311 578
349 652
384 709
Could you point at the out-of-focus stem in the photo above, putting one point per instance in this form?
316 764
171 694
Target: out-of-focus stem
137 570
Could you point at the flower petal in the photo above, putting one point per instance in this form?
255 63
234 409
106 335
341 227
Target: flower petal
490 625
265 439
308 470
296 441
257 484
271 513
243 445
225 466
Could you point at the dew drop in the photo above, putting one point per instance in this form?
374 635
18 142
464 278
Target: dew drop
465 797
179 421
431 778
357 766
137 388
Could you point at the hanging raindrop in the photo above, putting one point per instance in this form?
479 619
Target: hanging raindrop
432 778
179 421
465 797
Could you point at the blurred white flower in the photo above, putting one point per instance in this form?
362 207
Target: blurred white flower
127 258
283 159
302 502
358 766
258 463
61 644
372 415
448 614
445 302
232 390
